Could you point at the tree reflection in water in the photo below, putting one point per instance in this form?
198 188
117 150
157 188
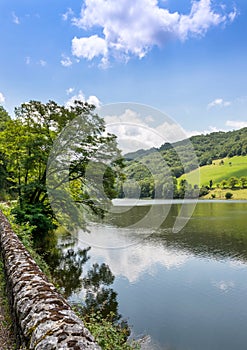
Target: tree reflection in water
66 265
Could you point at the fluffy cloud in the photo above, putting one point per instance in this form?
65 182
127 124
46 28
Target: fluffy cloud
81 97
133 133
89 47
219 102
2 98
134 27
235 124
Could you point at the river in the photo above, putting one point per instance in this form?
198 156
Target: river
183 291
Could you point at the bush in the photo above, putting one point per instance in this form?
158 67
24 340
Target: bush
36 215
109 335
228 195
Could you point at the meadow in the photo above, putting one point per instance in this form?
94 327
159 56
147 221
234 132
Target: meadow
219 170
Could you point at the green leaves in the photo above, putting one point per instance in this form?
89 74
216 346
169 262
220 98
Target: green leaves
73 140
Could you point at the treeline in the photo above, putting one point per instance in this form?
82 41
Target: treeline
231 183
155 189
220 144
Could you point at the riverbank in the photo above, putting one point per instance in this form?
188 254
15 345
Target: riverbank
218 193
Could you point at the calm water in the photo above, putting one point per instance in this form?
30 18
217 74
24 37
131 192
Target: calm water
183 291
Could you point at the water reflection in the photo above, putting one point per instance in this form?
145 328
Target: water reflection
99 296
67 261
181 291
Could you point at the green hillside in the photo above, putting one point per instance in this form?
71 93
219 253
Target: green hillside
159 171
219 171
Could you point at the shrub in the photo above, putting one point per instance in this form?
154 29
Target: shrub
228 195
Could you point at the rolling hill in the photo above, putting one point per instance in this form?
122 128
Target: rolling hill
220 155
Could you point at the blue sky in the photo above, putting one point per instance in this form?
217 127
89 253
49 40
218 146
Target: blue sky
186 58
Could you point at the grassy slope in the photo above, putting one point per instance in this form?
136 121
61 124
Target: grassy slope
217 172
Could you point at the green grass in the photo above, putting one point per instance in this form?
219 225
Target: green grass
220 194
235 166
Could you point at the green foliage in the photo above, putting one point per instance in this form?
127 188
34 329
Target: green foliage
25 233
37 216
243 181
228 195
26 143
232 182
4 118
108 335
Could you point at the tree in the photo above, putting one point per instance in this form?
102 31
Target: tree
27 142
4 117
243 181
223 184
233 181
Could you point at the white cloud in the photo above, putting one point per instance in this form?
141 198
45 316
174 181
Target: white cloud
133 133
2 97
236 124
200 19
15 18
136 132
219 102
229 125
93 100
69 91
28 60
67 14
81 97
89 47
134 27
66 61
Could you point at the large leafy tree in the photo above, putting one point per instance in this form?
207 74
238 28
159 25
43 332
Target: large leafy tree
28 140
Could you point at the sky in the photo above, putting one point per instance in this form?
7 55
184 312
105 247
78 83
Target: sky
187 59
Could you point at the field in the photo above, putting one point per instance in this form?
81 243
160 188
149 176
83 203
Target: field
235 166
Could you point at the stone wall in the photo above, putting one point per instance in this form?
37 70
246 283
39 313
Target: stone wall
42 318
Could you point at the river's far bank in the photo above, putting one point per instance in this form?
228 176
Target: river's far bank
218 193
